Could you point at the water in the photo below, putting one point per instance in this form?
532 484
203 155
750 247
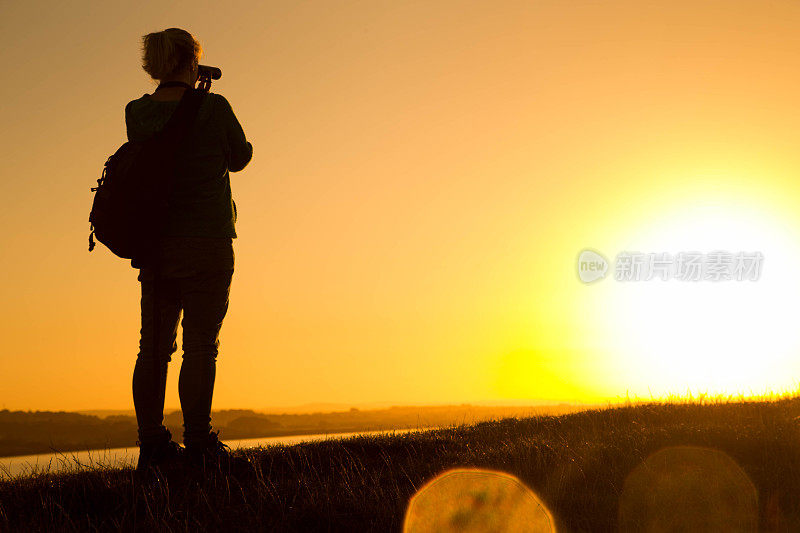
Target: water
24 465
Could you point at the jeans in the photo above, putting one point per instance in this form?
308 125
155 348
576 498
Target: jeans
195 278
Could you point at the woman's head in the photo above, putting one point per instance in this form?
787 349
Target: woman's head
168 54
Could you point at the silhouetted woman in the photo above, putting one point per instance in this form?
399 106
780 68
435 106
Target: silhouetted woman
197 256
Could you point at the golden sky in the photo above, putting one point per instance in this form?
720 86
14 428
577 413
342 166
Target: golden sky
424 176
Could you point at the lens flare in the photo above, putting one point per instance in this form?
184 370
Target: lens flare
687 488
466 500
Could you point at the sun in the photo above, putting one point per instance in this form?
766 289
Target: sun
705 337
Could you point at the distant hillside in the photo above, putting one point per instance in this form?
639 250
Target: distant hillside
33 432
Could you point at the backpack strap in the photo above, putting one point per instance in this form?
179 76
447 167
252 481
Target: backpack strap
184 115
176 130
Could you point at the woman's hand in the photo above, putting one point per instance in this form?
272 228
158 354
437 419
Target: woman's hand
205 83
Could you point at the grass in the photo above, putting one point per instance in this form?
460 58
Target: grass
577 464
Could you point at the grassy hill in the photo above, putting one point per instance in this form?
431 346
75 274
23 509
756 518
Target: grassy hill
585 467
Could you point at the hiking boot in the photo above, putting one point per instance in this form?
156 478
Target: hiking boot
162 455
213 456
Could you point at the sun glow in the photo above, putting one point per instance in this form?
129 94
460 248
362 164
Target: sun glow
705 337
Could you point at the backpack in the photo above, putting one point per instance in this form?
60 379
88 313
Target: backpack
131 198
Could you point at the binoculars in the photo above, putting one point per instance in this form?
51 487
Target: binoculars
204 71
205 74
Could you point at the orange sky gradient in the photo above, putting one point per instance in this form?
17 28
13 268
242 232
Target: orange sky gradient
424 176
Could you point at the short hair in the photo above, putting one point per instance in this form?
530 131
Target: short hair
166 53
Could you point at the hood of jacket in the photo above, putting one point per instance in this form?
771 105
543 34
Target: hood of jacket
145 116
